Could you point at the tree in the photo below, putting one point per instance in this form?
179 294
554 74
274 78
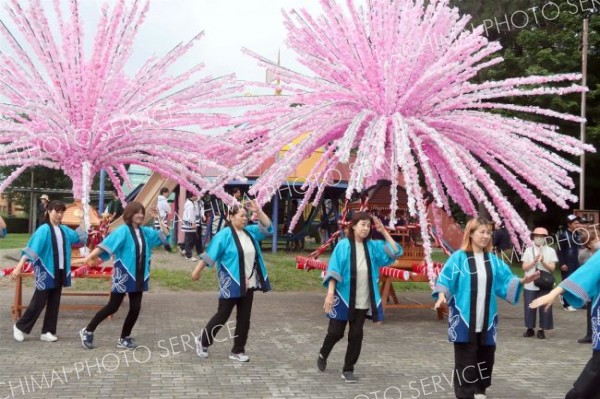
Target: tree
549 43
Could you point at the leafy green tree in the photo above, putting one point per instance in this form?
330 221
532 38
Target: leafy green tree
540 38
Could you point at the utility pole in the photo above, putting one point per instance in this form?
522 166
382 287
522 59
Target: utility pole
584 54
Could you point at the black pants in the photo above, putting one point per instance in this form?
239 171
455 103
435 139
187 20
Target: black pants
546 319
242 321
191 241
335 332
588 330
473 365
49 299
564 276
586 385
135 305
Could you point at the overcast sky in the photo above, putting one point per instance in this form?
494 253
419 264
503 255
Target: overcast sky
228 25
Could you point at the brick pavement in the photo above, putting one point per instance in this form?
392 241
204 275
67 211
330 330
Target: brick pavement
406 357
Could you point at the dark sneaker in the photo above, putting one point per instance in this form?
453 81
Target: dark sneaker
585 340
529 333
541 334
87 338
349 377
126 343
321 363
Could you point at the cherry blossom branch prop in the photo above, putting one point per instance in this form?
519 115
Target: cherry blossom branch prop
82 113
393 83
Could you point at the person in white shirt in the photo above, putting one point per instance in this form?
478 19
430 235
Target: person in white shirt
189 227
164 210
539 256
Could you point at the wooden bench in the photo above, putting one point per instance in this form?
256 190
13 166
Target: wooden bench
389 299
412 254
18 305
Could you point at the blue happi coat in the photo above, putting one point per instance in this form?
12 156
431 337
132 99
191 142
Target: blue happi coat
131 270
42 251
342 268
583 286
225 251
458 281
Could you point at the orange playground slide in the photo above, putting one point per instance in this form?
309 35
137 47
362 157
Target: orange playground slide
148 195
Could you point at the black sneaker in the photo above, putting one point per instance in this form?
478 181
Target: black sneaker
87 338
529 333
585 340
126 343
349 377
321 363
541 334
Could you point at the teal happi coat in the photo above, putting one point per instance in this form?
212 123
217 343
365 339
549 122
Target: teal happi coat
131 270
583 286
42 252
342 268
458 281
226 253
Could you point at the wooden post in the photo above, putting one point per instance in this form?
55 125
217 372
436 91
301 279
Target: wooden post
584 51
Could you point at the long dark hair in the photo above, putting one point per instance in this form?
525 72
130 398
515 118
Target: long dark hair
54 205
357 217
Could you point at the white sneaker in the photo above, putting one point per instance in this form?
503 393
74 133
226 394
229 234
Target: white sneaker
192 259
480 396
240 357
18 334
570 309
201 351
48 337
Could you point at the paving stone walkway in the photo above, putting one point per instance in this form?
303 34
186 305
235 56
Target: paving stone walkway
406 357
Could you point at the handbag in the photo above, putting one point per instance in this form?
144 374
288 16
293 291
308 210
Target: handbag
546 281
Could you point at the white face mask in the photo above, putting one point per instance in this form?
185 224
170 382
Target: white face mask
539 241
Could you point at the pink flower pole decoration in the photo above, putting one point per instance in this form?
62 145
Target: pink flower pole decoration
65 110
393 82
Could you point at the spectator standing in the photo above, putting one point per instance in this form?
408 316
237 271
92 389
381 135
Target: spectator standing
539 256
568 252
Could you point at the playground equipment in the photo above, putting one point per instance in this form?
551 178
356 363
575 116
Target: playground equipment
148 195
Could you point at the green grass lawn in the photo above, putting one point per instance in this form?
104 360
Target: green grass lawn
281 268
14 241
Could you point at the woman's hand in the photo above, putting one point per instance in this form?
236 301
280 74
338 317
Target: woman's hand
378 225
254 207
328 305
546 300
16 272
153 212
196 273
79 262
441 300
531 277
88 260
